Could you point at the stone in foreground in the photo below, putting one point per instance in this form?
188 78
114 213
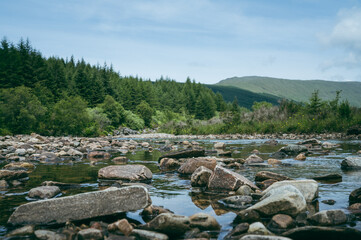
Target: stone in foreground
225 179
82 206
132 173
329 218
200 177
309 188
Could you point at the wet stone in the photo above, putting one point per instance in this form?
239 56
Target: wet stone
120 160
26 230
125 172
248 216
193 163
152 211
46 235
254 159
355 196
44 192
239 202
200 177
170 224
281 221
169 164
328 218
329 202
204 222
244 190
238 230
264 175
10 174
258 228
148 235
122 225
90 234
332 178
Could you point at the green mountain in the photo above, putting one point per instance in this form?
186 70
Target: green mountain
297 90
245 98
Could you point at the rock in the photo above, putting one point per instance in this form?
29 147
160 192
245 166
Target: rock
271 142
263 237
355 208
355 196
204 222
329 202
152 211
255 151
293 150
125 172
308 188
278 155
16 183
300 157
329 145
238 230
169 164
264 175
247 215
98 155
170 224
240 202
120 160
332 178
316 233
20 152
145 144
258 228
48 235
312 141
91 234
273 161
148 235
284 199
193 163
281 221
254 159
244 190
224 153
19 166
81 206
225 179
122 225
26 230
265 184
328 218
60 184
200 177
50 156
3 185
359 152
10 174
184 154
219 145
44 192
350 163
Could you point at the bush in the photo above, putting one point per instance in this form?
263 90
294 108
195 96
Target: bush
133 121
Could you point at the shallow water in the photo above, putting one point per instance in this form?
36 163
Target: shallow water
174 192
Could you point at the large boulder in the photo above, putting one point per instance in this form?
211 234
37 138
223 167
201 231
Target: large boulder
200 177
224 179
293 150
193 163
308 188
284 199
81 206
350 163
328 218
132 173
184 154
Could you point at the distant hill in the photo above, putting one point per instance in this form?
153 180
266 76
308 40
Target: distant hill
297 90
245 98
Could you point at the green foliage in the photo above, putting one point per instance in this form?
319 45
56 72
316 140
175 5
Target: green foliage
261 105
145 112
70 116
133 121
113 110
99 118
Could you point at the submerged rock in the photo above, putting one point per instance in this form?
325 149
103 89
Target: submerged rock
355 196
125 172
81 206
264 175
44 192
224 179
184 154
193 163
10 174
332 177
240 202
293 150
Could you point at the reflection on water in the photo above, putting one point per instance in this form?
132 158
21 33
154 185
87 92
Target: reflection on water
174 192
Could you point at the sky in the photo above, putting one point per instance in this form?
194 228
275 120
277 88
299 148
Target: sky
205 40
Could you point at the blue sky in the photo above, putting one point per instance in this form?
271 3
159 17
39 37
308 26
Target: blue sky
203 39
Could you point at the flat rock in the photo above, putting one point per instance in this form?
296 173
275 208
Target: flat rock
332 178
3 184
254 159
219 145
61 185
26 230
308 188
184 154
47 235
224 179
204 221
90 234
120 160
350 163
44 192
328 218
239 202
317 233
284 199
98 155
10 174
200 177
19 166
293 150
148 235
81 206
125 172
263 237
265 175
192 164
311 141
170 224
